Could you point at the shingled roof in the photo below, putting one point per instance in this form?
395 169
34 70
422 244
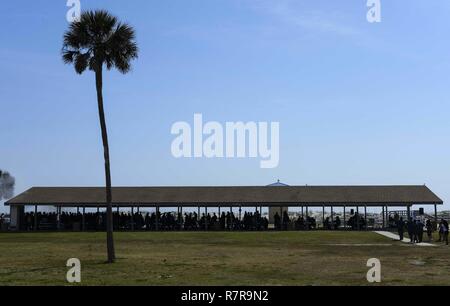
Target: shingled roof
230 196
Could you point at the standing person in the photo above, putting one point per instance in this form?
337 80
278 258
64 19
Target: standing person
420 227
441 231
429 227
411 229
337 223
401 228
445 230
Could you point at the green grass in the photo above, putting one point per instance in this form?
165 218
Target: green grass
289 258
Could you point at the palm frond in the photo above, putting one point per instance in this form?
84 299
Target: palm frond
98 38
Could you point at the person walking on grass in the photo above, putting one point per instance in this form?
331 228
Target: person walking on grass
420 227
429 227
401 228
411 230
445 230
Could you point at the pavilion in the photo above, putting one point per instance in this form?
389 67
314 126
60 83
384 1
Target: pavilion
360 197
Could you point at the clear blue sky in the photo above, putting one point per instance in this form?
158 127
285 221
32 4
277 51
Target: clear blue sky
358 103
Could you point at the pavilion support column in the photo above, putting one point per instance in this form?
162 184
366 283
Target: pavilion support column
303 213
78 210
35 226
323 216
240 213
358 219
307 212
384 216
232 221
198 212
332 215
408 211
436 214
157 218
181 219
219 210
345 217
387 217
206 218
58 218
132 218
118 217
365 217
83 218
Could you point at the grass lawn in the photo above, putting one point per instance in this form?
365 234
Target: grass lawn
288 258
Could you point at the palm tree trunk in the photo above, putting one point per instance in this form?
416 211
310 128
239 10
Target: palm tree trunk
109 215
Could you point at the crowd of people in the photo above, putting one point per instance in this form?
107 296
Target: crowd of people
192 221
145 221
417 228
302 223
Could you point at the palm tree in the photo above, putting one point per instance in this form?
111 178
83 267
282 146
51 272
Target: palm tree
98 39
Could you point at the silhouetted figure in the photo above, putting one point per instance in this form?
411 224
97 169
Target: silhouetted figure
277 220
326 224
285 221
445 231
337 223
420 227
430 230
411 229
401 228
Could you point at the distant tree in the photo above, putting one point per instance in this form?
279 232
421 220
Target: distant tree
7 183
98 39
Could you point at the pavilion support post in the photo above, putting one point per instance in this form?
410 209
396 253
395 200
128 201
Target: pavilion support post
307 212
232 221
323 216
384 216
303 213
408 212
83 219
436 214
35 227
206 218
219 211
132 218
358 219
365 217
387 217
58 222
181 218
198 214
240 213
345 217
332 215
157 218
